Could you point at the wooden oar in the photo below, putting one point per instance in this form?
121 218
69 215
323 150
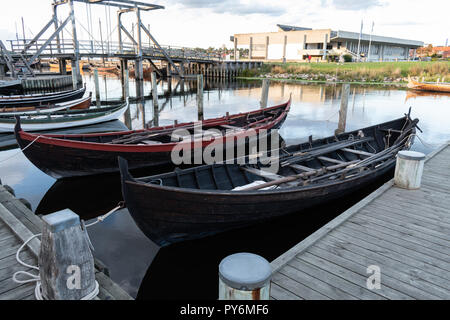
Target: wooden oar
351 165
299 176
313 153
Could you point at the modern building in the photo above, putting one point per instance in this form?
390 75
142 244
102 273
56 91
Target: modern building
292 43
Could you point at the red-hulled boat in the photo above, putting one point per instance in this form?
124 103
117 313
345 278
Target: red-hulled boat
62 156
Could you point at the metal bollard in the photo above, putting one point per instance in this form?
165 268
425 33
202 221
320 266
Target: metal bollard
409 169
244 276
66 263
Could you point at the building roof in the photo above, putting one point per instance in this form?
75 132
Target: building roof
285 27
346 35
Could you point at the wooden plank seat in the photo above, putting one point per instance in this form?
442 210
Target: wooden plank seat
359 152
323 158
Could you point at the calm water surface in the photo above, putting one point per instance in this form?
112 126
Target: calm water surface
146 271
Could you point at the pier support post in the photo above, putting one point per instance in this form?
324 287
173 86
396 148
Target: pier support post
264 93
409 169
343 109
66 263
244 276
74 76
154 90
200 96
97 88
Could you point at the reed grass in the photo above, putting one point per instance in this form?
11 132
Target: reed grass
373 71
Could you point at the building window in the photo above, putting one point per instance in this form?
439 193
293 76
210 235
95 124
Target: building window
329 46
339 45
320 46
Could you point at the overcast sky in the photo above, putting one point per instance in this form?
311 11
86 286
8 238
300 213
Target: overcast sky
205 23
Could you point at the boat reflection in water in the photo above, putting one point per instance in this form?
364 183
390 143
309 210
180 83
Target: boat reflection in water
414 94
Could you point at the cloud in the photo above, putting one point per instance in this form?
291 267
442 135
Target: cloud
355 5
234 7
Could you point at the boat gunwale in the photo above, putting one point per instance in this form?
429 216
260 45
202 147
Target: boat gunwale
39 95
230 193
164 147
67 117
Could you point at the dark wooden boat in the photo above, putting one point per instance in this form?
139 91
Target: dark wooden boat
11 87
39 99
62 156
196 202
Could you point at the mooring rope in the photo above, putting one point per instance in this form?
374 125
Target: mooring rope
36 278
21 150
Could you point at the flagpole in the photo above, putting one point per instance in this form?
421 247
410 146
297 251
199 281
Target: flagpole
359 42
370 42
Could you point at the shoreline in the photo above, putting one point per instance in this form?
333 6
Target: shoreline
400 85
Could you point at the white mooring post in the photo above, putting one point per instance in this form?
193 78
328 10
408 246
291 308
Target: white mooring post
244 276
97 88
65 261
409 169
264 93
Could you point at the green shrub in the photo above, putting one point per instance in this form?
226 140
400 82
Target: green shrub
348 58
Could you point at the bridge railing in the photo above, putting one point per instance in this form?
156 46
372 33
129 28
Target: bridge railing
109 48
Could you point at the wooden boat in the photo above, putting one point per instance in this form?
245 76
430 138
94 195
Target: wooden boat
63 156
112 69
78 104
428 86
62 119
37 99
196 202
11 87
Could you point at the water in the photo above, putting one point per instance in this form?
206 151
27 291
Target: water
189 269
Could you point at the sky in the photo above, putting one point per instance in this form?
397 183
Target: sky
205 23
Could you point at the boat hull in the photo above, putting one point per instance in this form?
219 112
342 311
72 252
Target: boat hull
61 158
194 203
33 100
167 217
434 87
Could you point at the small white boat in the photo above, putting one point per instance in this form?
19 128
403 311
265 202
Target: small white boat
66 119
78 104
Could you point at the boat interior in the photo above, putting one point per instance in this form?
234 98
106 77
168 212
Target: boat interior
313 162
209 129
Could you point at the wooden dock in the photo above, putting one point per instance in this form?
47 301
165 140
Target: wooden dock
406 233
17 224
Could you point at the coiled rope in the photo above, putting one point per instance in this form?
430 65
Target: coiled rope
36 278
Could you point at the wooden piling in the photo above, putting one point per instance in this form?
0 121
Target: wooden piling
264 93
97 88
200 96
343 109
66 262
154 90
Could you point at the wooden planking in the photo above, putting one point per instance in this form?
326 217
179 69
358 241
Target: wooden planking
279 293
405 232
302 291
333 263
17 224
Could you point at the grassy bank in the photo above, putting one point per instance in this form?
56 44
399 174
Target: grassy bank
373 72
